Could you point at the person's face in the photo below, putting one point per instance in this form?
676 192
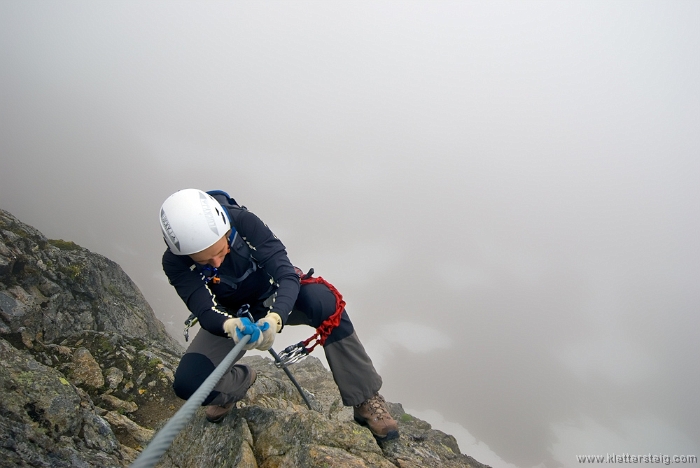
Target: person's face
213 255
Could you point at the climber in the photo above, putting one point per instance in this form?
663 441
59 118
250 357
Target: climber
221 258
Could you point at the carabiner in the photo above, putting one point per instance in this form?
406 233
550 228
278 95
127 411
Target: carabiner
189 323
292 354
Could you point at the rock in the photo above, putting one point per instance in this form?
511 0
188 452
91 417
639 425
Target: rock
49 288
122 423
65 350
117 404
128 454
98 434
166 372
36 393
274 423
26 339
86 370
42 416
81 290
10 309
114 377
5 266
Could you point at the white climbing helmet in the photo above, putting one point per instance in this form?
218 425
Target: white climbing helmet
191 221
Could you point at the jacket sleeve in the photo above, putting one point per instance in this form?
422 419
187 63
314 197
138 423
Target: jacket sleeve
271 255
195 293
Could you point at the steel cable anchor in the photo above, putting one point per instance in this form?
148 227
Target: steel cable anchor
245 311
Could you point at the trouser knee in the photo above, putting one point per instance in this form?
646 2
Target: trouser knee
193 370
318 303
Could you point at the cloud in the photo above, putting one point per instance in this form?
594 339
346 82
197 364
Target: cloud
640 435
460 277
611 356
358 263
402 337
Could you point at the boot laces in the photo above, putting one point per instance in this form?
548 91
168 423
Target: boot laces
376 406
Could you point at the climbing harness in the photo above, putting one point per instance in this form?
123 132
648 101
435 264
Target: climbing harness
299 351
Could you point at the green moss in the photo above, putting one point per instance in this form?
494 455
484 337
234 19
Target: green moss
115 291
26 379
153 364
449 449
31 271
64 245
73 271
139 363
14 227
104 344
406 418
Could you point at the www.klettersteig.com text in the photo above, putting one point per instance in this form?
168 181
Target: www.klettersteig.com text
631 458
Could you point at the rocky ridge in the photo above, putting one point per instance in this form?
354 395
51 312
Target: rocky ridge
86 371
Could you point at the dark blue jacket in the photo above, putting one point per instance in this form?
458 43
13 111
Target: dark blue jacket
256 267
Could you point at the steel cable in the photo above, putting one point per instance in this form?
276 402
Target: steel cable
162 440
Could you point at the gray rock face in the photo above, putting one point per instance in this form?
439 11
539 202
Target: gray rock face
51 289
79 347
86 373
47 422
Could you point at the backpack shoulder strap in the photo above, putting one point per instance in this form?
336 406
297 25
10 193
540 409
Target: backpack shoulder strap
223 197
237 244
231 207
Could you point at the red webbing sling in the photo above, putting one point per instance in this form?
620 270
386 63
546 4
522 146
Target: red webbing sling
326 328
300 350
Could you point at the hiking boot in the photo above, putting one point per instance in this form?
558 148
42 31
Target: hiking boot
374 414
216 413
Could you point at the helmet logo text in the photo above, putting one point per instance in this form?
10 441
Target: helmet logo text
208 215
169 230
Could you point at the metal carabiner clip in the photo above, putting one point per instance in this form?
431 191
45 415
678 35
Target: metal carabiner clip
189 323
292 354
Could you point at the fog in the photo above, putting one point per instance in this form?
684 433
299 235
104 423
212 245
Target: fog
506 193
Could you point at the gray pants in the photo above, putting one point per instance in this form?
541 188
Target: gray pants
352 368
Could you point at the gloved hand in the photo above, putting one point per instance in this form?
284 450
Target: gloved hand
236 328
270 325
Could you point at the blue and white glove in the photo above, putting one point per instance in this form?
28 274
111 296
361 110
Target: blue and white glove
270 325
237 328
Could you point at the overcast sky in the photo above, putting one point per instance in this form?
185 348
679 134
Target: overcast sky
505 192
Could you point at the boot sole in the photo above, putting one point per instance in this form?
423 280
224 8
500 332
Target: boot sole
391 435
221 418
